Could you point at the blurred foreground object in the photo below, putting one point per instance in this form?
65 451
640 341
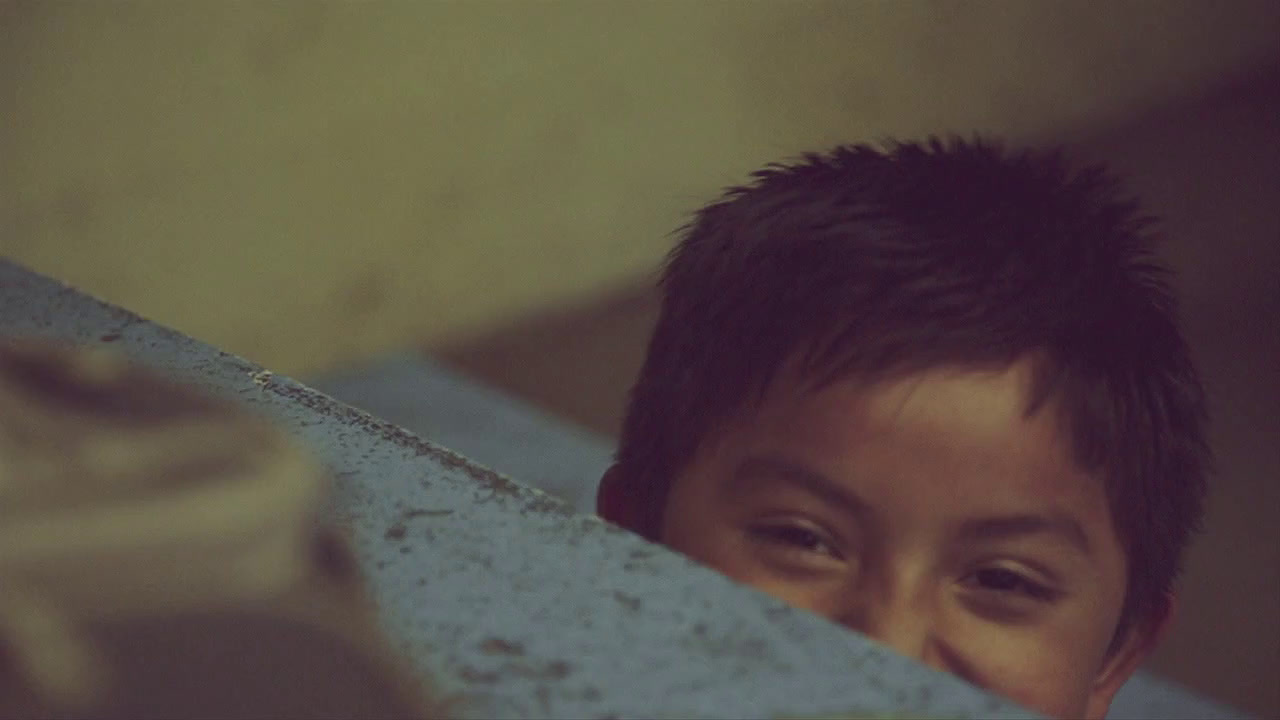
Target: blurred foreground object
161 556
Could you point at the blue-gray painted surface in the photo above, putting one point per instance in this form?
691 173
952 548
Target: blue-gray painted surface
508 435
500 593
480 422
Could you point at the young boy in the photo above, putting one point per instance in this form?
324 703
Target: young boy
936 393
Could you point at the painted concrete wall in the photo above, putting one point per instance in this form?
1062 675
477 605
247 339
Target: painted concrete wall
308 184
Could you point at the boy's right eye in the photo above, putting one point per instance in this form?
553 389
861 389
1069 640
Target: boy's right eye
796 536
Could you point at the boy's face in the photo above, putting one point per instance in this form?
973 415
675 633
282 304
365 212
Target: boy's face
929 514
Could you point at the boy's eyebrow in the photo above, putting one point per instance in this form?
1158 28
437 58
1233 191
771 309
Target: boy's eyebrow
1059 524
759 467
1003 527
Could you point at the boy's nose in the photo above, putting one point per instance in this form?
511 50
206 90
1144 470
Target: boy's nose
906 629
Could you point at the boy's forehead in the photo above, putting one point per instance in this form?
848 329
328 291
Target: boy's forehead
967 429
982 400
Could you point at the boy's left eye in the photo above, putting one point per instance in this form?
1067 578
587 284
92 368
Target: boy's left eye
1004 580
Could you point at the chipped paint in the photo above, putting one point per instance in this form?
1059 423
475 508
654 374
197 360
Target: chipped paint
498 646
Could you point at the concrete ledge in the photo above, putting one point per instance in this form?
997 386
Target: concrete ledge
483 423
499 592
513 437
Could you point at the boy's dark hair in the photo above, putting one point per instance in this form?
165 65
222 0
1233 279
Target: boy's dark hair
870 264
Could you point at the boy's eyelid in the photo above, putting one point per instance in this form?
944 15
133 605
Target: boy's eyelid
1035 587
761 472
804 524
794 522
1045 566
1041 573
807 520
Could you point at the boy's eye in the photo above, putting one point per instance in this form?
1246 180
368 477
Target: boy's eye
1005 581
796 537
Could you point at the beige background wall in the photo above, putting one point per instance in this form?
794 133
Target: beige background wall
310 184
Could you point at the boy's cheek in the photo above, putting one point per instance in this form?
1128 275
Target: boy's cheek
1043 669
712 543
1054 692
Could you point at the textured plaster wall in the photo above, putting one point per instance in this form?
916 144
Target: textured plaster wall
309 184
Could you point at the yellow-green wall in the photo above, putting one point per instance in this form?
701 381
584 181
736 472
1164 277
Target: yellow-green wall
310 183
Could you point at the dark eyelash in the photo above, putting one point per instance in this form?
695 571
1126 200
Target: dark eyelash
793 536
1021 584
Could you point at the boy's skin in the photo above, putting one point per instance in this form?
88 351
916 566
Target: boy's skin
1010 575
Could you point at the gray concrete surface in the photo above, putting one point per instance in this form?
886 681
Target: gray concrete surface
479 422
501 593
516 438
